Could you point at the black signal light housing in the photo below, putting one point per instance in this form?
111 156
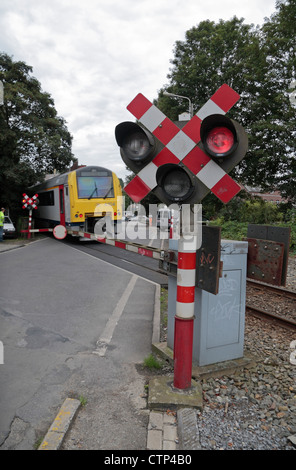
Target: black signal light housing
137 145
218 135
176 184
224 140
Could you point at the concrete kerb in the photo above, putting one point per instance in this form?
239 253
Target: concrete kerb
7 247
61 424
167 405
162 427
12 244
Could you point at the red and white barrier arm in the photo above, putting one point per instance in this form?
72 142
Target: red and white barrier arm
129 246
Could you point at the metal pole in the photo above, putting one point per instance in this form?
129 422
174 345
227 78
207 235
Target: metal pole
184 319
30 223
166 93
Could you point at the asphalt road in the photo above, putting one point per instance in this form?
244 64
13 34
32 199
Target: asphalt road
143 266
72 325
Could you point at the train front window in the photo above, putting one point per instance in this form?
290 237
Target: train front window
90 187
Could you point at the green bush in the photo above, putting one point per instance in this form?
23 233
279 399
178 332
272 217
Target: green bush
235 217
232 230
253 211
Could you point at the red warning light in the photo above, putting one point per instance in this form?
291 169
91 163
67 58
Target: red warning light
220 140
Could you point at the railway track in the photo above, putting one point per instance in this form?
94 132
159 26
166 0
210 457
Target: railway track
281 291
273 303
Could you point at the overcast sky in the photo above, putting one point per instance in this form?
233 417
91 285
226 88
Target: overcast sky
94 56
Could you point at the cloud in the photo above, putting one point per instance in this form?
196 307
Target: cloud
94 56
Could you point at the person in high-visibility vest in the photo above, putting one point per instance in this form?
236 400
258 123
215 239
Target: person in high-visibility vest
1 223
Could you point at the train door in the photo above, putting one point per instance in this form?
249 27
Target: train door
62 205
67 204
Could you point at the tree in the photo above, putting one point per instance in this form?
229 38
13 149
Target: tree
279 33
239 54
34 140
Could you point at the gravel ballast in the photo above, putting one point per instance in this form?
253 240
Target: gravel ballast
254 408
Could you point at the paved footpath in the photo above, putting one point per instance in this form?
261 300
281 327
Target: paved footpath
75 327
162 431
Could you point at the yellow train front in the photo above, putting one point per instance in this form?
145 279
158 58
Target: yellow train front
79 199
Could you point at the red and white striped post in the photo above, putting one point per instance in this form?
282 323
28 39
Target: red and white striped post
30 224
184 319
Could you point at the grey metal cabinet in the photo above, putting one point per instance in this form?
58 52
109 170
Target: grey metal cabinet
219 319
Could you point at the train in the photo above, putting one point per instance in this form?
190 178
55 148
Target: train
78 199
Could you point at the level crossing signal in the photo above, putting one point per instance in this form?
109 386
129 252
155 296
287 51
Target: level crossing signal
182 164
30 202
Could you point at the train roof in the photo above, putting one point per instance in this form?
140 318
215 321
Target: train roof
62 178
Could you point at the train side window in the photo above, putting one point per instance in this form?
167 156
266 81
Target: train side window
46 198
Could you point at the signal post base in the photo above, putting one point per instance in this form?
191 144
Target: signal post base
163 395
183 344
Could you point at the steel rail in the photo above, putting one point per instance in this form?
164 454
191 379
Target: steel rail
276 289
270 316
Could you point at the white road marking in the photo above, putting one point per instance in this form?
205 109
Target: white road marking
107 334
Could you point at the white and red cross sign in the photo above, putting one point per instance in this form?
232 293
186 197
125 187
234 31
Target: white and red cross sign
181 146
29 201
